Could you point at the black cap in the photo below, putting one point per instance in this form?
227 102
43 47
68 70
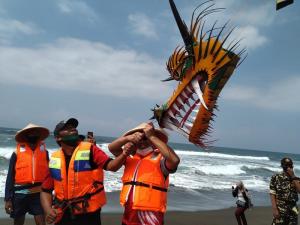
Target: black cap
62 124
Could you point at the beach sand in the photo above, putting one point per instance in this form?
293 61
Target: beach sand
255 216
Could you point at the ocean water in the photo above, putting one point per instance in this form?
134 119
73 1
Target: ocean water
202 182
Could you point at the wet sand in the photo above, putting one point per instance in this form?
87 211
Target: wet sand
255 216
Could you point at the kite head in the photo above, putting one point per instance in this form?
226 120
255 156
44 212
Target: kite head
158 112
202 67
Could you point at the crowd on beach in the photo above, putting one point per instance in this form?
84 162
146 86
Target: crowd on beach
66 187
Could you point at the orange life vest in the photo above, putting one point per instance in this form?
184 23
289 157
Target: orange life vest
149 184
31 166
82 187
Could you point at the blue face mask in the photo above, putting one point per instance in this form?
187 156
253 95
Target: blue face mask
71 140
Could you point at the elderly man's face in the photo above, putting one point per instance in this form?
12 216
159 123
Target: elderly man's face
143 143
33 137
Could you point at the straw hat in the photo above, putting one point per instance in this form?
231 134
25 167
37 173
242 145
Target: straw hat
160 133
42 132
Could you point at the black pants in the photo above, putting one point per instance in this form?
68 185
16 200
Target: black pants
26 203
93 218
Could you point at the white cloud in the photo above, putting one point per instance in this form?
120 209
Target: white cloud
240 93
251 37
10 28
261 14
78 8
281 95
249 17
91 67
142 25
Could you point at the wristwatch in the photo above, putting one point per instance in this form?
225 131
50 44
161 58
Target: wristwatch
295 178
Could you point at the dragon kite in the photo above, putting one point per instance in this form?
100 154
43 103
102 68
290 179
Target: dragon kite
202 67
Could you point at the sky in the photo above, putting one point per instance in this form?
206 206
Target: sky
102 62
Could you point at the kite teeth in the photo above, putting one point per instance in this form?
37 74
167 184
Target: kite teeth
198 91
188 125
192 97
179 114
189 88
176 107
184 94
180 100
175 121
183 109
171 114
187 131
170 125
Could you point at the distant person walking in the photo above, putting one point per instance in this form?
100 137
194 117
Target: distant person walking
146 174
242 203
28 168
284 189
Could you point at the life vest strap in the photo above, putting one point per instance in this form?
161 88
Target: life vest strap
136 183
26 186
73 203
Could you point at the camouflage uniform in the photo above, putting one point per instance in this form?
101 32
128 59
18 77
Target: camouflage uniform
286 197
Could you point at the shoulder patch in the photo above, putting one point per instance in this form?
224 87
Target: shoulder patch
82 155
55 163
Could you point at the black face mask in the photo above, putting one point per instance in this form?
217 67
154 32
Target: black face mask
33 139
71 140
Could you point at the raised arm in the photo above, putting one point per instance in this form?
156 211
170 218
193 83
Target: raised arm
99 159
172 159
115 147
234 191
117 163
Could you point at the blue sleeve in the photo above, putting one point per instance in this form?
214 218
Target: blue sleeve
10 179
